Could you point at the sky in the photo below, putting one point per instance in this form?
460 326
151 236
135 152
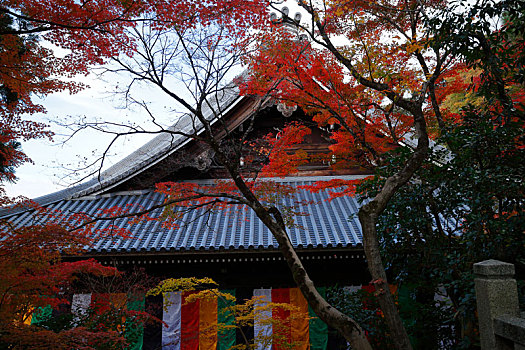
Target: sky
53 161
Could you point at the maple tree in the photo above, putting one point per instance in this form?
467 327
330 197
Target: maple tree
199 54
36 283
45 45
84 31
382 88
199 57
33 276
33 273
385 86
478 192
29 68
496 53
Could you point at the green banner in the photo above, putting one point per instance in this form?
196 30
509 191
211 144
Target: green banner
134 330
318 329
226 336
42 314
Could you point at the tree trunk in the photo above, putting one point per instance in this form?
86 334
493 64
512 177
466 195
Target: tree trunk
272 218
368 215
375 266
345 325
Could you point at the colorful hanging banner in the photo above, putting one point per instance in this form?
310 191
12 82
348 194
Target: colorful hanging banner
226 318
79 306
42 314
134 330
189 323
194 325
262 327
281 331
206 324
103 302
318 330
171 318
299 326
28 316
289 329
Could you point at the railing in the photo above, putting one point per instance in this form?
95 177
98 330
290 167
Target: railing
500 325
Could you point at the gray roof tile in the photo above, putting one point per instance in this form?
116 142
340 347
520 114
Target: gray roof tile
326 223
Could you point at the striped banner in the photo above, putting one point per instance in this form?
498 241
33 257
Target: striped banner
207 324
101 303
194 325
287 330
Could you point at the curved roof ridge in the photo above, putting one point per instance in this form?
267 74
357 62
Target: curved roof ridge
162 145
145 156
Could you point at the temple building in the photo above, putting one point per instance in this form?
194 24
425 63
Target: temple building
233 247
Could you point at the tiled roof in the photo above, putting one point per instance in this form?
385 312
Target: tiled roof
326 224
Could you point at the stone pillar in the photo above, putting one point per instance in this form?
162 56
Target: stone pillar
496 295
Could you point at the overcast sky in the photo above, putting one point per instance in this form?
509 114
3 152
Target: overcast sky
54 160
